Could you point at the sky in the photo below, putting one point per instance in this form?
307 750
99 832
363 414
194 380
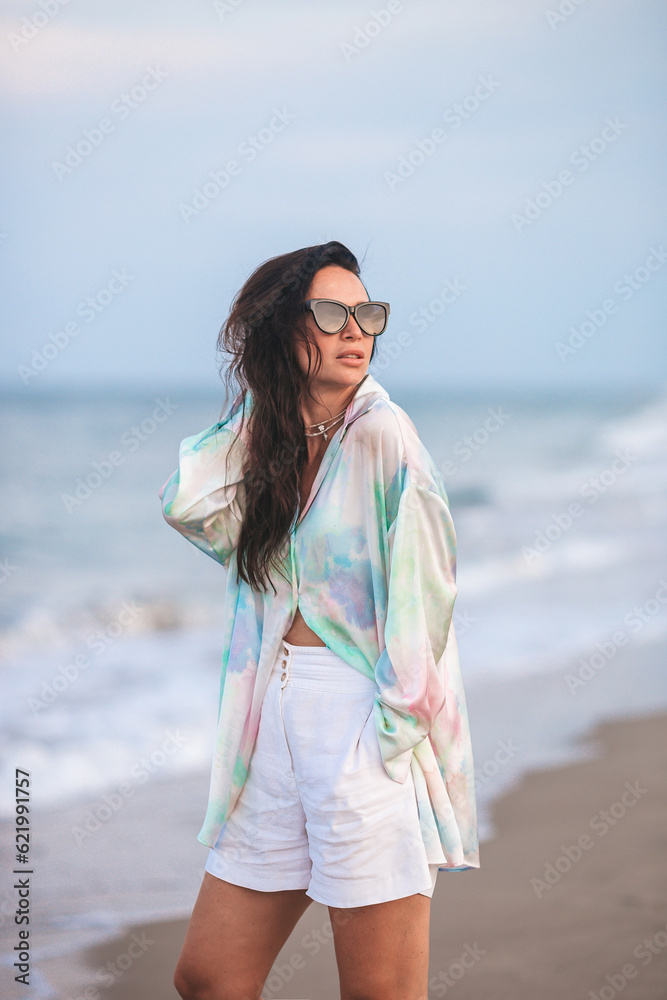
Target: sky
496 165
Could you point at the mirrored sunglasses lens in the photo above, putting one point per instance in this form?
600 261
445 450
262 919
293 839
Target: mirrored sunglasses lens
372 318
329 316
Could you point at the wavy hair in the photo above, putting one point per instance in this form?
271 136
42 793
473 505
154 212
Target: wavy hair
267 318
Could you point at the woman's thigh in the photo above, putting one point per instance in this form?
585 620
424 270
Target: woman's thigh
382 950
233 938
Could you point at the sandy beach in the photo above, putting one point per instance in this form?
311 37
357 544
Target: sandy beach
570 901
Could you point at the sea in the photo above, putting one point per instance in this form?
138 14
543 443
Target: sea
111 622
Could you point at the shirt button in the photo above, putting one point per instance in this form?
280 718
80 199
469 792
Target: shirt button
284 663
283 676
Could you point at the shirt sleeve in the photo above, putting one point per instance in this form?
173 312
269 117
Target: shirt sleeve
410 672
204 498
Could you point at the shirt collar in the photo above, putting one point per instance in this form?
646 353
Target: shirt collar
368 392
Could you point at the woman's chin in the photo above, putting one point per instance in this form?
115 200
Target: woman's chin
346 374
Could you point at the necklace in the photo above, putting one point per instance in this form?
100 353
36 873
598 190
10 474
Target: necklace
325 426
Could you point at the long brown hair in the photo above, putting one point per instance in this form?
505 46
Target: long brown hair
266 319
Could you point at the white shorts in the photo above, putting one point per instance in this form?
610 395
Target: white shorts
318 811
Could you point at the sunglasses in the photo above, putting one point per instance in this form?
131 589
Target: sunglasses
332 317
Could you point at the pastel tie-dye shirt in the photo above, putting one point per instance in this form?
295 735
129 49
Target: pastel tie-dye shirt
371 562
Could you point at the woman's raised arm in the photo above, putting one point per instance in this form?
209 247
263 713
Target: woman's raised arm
204 498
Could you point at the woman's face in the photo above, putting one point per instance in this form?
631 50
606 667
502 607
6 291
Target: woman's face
333 282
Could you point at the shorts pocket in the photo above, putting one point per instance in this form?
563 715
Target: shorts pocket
368 724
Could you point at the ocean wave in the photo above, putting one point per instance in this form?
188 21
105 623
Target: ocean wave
644 432
55 628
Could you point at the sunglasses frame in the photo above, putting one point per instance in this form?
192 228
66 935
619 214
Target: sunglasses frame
349 311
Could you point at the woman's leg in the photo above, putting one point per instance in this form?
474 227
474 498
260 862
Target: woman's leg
382 949
233 938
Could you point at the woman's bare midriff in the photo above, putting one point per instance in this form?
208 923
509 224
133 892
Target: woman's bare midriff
300 635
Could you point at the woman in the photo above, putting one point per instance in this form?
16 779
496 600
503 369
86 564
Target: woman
343 769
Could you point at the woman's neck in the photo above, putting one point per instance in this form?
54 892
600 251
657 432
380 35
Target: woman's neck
329 402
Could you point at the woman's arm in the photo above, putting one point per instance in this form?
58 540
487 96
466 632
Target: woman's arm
204 498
